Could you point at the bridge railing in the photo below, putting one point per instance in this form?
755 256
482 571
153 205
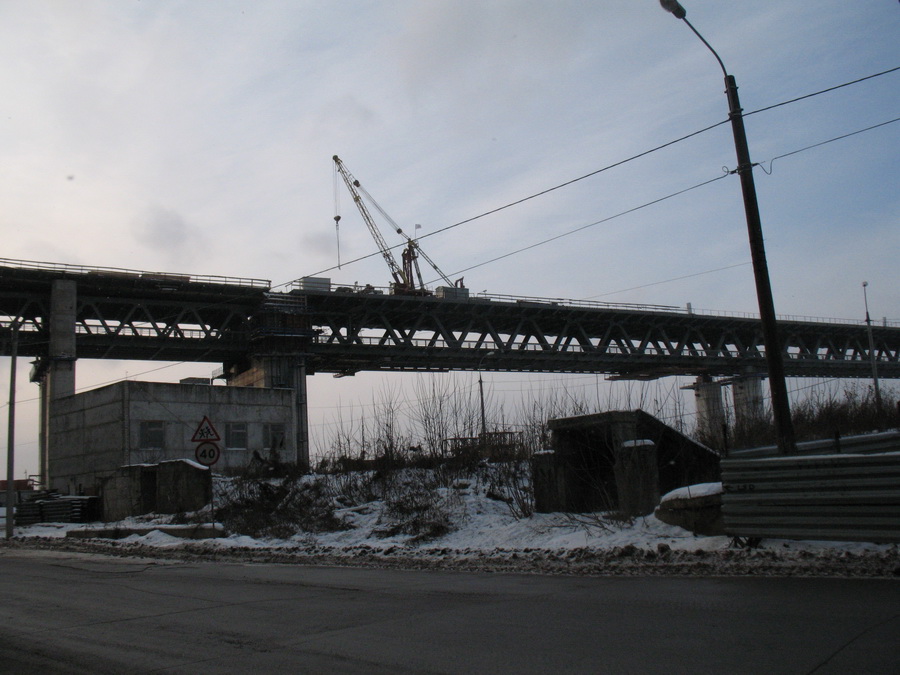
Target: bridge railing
121 272
595 304
886 323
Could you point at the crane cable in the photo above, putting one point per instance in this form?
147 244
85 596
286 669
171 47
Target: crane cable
337 213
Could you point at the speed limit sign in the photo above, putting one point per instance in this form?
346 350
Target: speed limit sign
207 453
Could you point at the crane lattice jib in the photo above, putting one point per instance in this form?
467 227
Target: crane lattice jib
352 184
431 262
413 245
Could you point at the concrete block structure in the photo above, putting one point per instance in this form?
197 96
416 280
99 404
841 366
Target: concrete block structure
168 487
94 433
616 461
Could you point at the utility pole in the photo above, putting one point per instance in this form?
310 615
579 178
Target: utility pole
11 436
781 407
872 356
483 440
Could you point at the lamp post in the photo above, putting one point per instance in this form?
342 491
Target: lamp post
781 409
872 357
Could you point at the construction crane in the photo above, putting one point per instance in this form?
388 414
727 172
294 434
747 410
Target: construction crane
406 275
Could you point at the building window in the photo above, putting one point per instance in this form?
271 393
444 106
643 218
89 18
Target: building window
273 437
153 434
236 435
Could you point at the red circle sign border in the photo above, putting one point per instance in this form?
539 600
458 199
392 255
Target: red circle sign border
207 448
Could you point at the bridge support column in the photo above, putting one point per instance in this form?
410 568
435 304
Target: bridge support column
281 371
301 412
749 408
56 376
710 411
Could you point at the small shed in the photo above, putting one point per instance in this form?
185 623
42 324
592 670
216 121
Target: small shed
173 486
617 461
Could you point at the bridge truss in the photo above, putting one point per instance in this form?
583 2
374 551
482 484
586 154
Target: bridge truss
123 314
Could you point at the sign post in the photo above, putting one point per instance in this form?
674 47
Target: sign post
208 453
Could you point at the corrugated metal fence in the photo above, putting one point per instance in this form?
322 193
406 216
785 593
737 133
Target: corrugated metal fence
845 497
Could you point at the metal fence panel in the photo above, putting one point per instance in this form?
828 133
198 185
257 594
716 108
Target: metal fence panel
845 497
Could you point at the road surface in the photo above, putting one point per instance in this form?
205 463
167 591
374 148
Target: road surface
77 613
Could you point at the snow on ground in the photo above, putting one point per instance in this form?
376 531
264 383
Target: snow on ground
475 530
486 535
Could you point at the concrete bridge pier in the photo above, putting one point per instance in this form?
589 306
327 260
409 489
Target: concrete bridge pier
280 371
301 411
711 420
749 403
748 400
55 375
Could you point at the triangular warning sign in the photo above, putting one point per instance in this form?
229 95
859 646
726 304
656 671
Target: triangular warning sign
205 432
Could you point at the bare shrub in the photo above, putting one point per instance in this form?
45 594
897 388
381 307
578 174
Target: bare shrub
510 482
414 505
602 521
826 412
279 509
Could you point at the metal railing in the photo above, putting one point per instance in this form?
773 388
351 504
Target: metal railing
122 272
594 304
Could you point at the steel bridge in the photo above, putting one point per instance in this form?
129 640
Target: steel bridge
128 314
60 313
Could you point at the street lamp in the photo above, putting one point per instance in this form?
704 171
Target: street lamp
872 358
781 408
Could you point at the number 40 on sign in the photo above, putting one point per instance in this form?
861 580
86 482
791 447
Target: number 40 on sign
207 453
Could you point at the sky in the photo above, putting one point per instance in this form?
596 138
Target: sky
197 137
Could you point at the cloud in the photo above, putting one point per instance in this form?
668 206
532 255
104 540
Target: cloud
171 237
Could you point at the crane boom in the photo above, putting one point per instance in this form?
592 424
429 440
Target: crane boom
397 272
404 281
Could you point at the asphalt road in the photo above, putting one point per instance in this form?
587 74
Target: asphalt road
71 613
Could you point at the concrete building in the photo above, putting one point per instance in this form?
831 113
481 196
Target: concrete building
94 433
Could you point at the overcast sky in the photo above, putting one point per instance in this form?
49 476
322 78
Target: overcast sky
197 137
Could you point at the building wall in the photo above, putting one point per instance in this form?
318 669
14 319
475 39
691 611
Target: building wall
94 433
87 436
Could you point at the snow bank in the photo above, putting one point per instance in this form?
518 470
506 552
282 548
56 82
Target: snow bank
692 491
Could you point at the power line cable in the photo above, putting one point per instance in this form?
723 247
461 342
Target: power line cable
667 281
606 168
821 91
589 225
565 234
830 140
529 197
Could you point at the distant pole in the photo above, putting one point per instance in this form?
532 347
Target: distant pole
11 436
483 420
483 443
781 407
872 356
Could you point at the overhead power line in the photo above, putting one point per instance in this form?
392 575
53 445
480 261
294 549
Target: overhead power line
674 194
668 281
607 168
589 225
822 91
830 140
532 196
